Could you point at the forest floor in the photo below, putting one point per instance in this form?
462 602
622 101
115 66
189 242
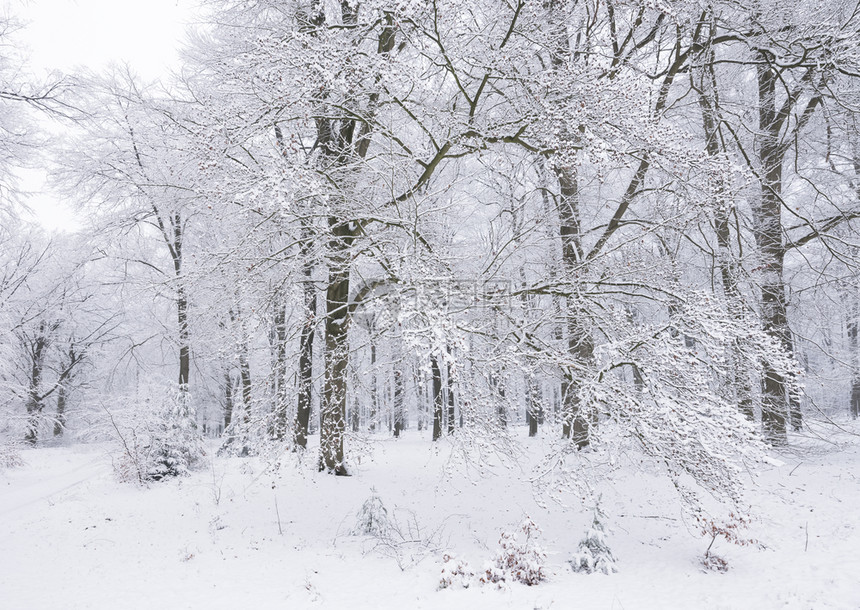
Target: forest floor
239 534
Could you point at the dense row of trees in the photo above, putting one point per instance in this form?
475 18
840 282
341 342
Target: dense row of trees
621 221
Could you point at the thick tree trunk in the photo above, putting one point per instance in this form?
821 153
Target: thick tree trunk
35 400
341 142
769 237
580 345
333 411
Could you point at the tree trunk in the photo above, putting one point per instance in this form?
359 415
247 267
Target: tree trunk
279 423
770 243
341 142
244 368
228 399
60 421
853 326
245 376
580 345
724 205
333 411
451 421
531 406
398 398
374 391
181 304
306 348
437 398
35 402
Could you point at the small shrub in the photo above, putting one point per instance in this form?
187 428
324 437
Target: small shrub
714 563
593 554
9 456
729 530
372 519
159 443
455 572
519 559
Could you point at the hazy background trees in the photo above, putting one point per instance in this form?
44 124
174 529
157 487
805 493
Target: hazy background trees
613 222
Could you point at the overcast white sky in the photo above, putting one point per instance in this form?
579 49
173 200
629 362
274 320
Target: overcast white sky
68 34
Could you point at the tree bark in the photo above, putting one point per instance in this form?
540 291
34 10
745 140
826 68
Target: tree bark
228 399
60 422
181 304
306 348
35 402
451 421
333 411
853 326
279 423
580 345
769 238
437 398
398 399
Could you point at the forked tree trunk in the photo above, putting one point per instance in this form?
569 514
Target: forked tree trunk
341 142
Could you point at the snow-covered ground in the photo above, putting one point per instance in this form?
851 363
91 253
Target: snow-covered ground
238 535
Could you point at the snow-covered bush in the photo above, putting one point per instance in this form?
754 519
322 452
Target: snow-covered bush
593 554
397 533
729 530
455 572
372 518
159 442
519 559
9 456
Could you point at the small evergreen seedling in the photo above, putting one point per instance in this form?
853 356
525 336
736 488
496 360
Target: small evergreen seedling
593 554
372 518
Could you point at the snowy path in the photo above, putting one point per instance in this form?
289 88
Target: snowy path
18 493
